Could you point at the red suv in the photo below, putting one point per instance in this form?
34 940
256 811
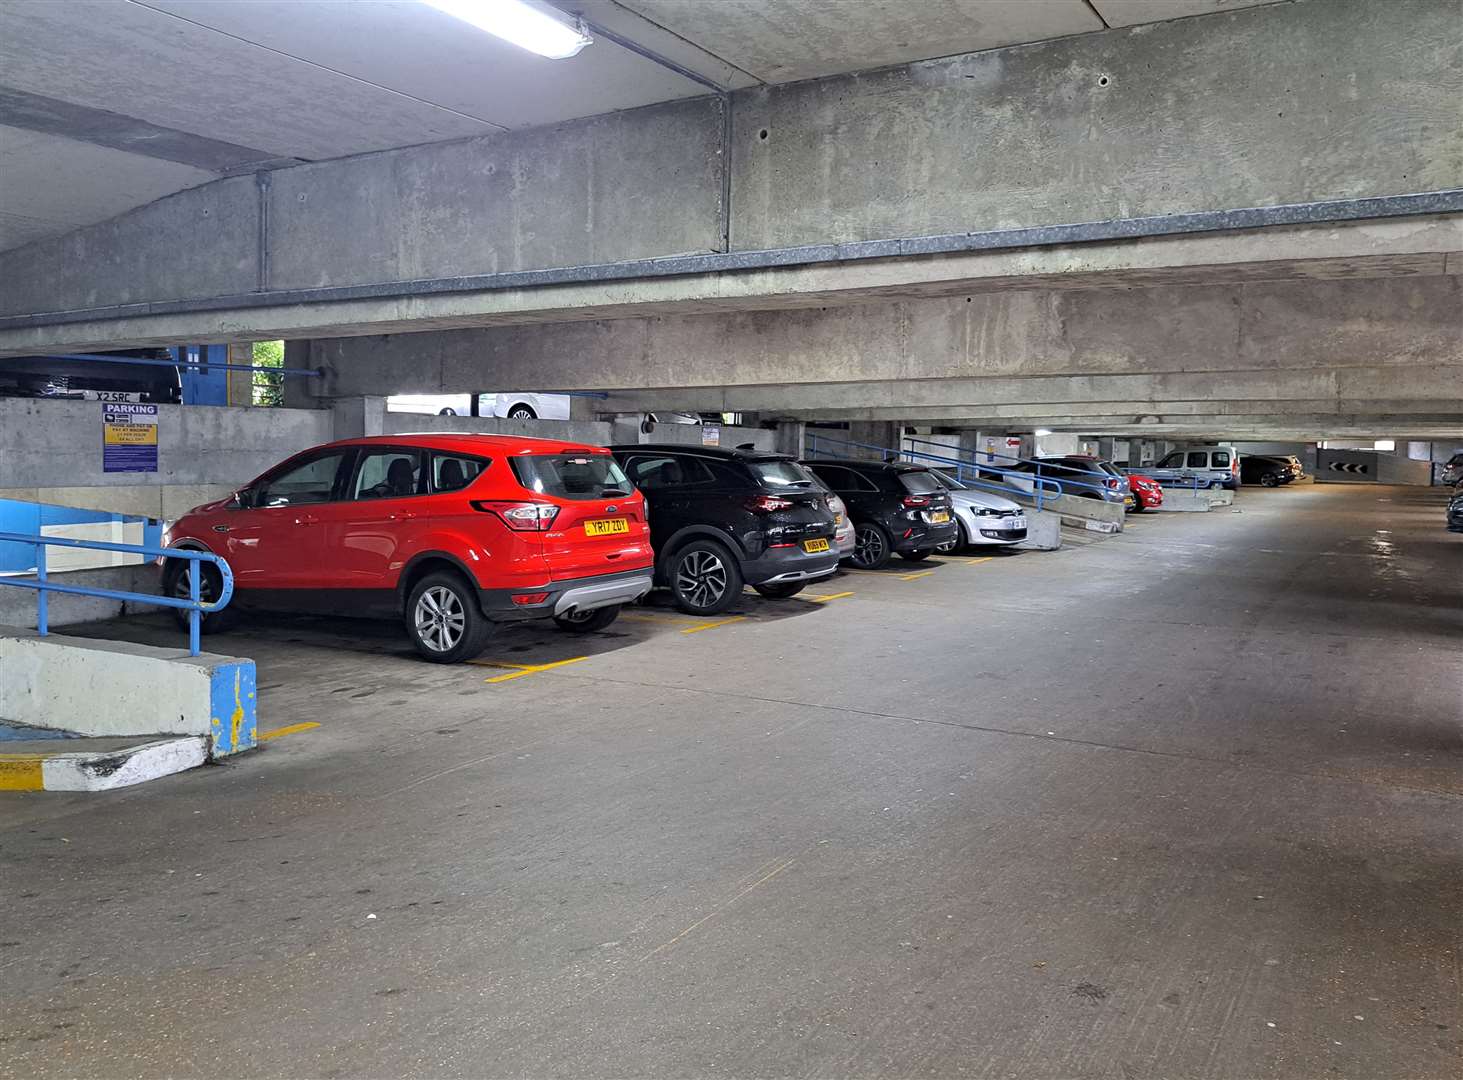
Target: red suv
452 532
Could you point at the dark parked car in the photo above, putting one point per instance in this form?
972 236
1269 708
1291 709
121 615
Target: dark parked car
1455 513
720 519
1269 471
896 509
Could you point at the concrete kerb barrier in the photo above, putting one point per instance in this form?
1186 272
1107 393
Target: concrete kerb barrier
1043 531
1219 496
105 688
100 770
1186 501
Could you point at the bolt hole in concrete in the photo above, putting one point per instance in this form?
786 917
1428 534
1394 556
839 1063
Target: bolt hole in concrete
762 134
1103 80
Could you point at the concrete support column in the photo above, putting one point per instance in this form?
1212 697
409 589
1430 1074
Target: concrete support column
356 418
882 433
791 437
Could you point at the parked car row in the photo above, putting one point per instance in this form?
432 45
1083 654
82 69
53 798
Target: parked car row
1270 471
456 533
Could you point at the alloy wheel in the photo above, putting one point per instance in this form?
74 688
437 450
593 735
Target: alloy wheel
440 619
207 591
868 546
701 579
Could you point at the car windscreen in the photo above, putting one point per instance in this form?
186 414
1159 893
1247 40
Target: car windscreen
1111 470
571 476
781 473
920 482
946 481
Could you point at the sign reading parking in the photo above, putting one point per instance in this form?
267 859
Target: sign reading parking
129 437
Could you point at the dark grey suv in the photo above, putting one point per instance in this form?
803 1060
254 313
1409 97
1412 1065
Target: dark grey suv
720 519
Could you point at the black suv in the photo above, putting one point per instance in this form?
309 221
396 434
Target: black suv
896 509
720 519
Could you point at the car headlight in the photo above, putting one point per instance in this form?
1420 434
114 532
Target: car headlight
990 511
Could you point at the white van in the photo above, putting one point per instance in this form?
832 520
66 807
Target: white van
1206 466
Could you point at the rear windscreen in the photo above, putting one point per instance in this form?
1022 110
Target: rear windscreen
778 474
920 483
571 476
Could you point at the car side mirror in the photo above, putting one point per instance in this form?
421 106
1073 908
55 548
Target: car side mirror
241 499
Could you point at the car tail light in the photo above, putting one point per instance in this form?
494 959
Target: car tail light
530 598
765 504
1112 482
521 516
914 502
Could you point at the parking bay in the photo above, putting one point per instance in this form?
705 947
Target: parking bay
1046 811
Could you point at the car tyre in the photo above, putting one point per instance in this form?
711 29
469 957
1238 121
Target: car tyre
782 591
914 556
873 547
960 543
1270 480
522 412
704 578
588 622
210 582
443 619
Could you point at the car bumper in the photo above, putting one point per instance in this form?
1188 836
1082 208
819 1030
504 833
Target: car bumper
569 595
779 566
927 537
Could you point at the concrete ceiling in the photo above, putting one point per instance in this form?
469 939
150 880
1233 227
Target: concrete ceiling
109 104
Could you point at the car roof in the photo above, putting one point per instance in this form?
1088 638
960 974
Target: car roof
474 444
727 453
868 466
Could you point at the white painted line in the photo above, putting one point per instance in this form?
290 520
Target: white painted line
104 771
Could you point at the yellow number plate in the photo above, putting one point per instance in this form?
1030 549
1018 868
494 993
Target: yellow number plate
812 547
606 526
939 517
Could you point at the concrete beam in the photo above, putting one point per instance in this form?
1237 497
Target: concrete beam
1332 341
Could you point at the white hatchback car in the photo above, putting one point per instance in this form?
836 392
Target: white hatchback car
984 518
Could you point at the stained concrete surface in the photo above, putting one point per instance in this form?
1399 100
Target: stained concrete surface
1185 802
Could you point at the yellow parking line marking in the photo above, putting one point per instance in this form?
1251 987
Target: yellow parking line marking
288 730
824 599
911 577
520 670
977 562
22 772
712 625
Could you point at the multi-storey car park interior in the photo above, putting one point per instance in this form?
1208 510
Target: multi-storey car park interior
688 538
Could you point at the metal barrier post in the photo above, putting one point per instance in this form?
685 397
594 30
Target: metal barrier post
42 614
194 619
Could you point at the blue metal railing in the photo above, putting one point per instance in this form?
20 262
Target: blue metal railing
973 467
193 605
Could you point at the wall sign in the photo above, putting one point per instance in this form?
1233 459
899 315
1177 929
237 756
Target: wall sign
129 437
710 434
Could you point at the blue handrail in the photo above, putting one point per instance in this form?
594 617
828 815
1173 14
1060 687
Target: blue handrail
193 605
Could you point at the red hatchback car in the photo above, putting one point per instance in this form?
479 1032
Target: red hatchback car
1147 493
452 532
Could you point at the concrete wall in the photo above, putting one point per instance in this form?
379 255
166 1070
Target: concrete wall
1278 104
18 606
1282 104
51 451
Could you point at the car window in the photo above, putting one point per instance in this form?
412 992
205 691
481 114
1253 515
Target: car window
780 474
1172 461
1199 459
571 476
946 481
652 473
920 483
837 479
311 481
451 472
1221 459
388 474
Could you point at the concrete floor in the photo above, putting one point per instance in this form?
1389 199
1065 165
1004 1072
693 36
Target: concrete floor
1187 802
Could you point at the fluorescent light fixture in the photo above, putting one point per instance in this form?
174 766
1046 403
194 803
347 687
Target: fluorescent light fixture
1384 444
524 24
1042 431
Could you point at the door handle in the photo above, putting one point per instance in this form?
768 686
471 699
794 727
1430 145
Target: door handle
403 515
307 519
